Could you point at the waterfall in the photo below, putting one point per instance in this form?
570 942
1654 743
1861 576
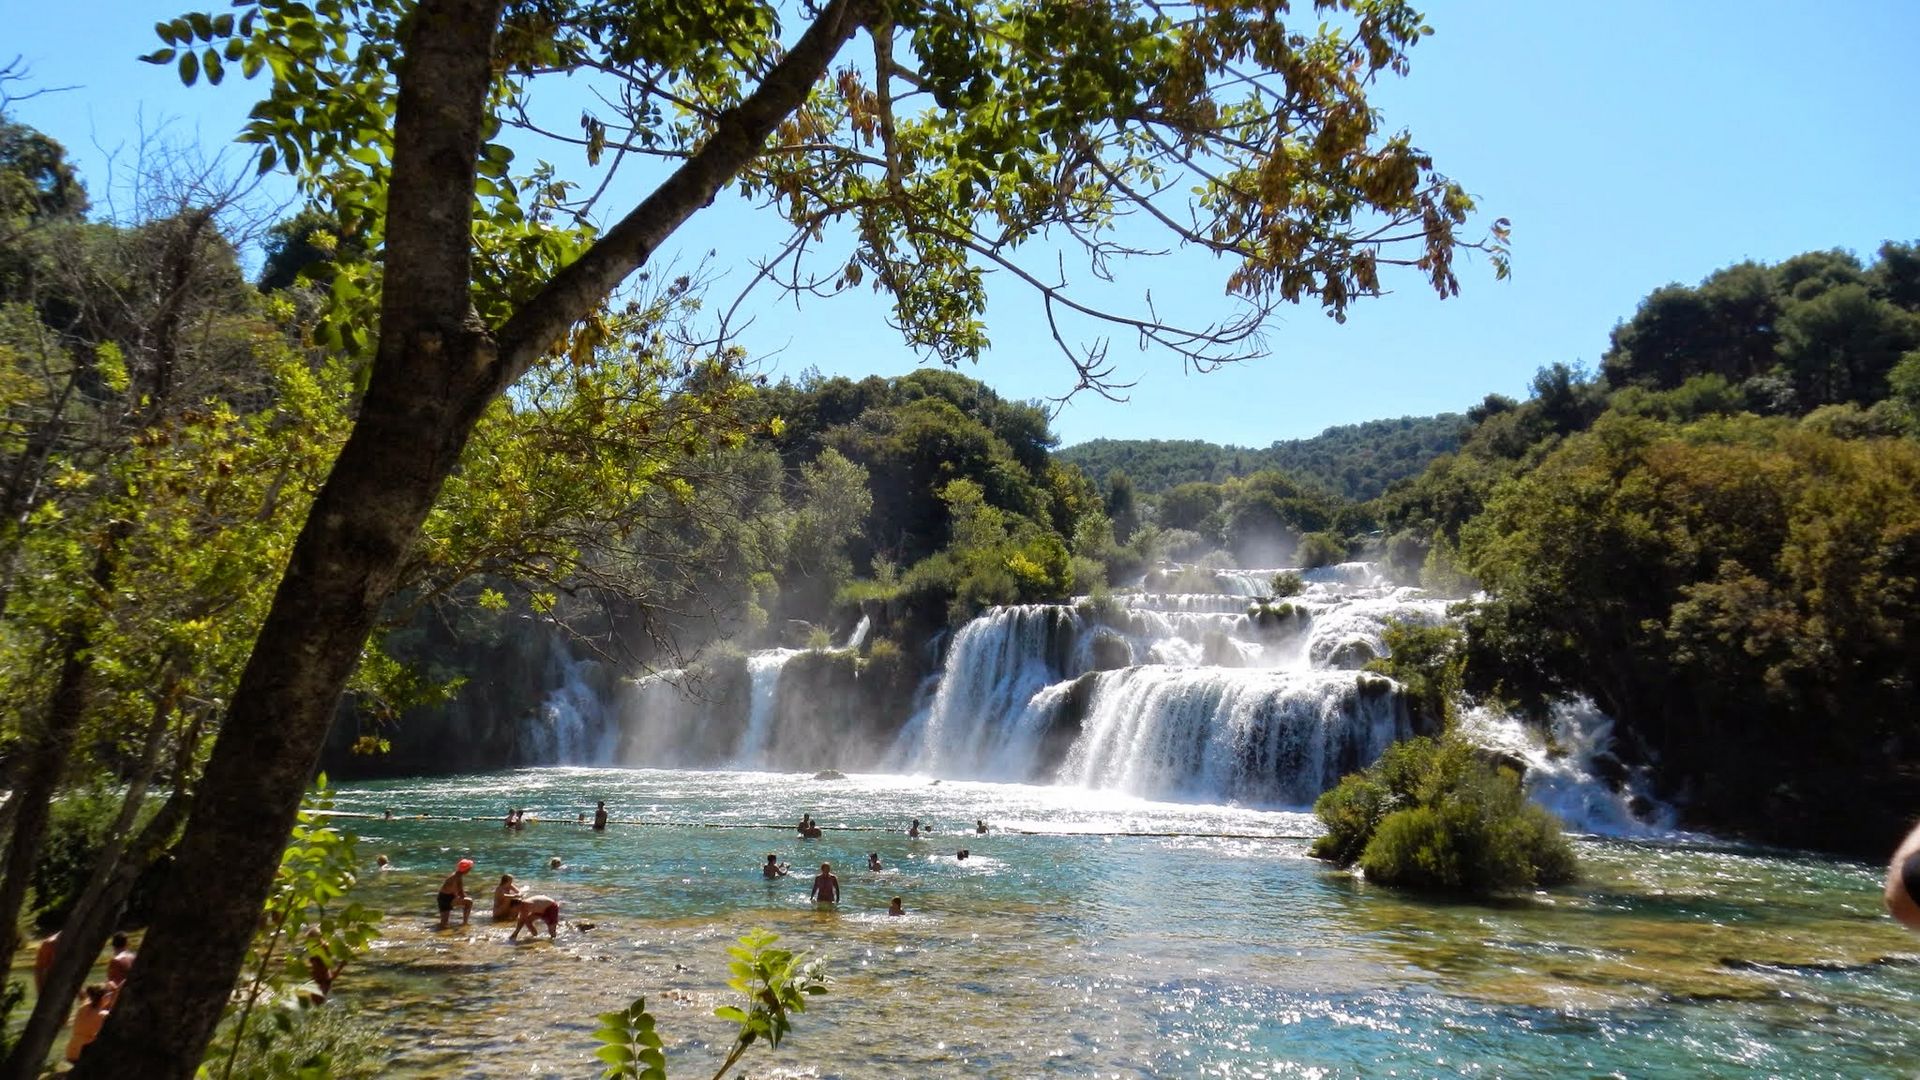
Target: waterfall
1572 771
1213 697
570 728
763 669
1263 737
997 664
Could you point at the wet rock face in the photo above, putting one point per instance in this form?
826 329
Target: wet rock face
1607 766
1501 759
1108 651
1351 656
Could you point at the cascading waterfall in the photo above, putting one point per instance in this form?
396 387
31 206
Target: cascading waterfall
998 663
1219 697
1259 736
1573 771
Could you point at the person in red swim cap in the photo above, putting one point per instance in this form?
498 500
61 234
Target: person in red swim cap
454 891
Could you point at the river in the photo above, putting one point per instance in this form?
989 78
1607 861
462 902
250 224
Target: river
1093 932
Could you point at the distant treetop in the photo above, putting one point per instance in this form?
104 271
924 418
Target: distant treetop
1357 461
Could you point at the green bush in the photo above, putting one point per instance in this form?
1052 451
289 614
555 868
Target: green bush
1286 583
854 593
1319 549
76 832
1429 663
1431 815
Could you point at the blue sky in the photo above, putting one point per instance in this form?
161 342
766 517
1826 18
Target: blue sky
1632 144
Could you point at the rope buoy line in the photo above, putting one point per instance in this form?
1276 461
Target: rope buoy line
956 834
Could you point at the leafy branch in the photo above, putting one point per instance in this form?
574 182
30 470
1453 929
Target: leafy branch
776 983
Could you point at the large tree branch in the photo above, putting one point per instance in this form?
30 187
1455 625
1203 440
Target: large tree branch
739 136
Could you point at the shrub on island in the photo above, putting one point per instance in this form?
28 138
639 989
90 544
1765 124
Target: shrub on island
1432 815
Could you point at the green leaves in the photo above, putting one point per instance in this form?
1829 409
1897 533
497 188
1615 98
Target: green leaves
775 982
630 1046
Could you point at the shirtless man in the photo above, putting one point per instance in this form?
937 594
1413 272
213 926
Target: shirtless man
773 869
454 891
873 862
896 908
88 1020
121 965
537 907
43 958
1903 881
826 887
600 818
506 896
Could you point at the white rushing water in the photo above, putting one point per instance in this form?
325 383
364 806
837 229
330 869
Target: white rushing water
571 727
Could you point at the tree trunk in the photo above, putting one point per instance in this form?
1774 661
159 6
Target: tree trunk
47 759
434 374
93 918
431 379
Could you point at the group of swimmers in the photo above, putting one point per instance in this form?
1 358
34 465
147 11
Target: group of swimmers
826 887
510 902
96 1001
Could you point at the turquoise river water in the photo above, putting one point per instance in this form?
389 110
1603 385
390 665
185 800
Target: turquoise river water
1092 934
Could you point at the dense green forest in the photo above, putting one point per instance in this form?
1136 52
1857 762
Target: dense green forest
1354 461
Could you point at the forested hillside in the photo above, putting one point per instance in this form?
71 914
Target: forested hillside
1355 461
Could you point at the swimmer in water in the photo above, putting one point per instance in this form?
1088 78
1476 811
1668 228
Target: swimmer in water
773 869
873 862
826 887
896 908
913 830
